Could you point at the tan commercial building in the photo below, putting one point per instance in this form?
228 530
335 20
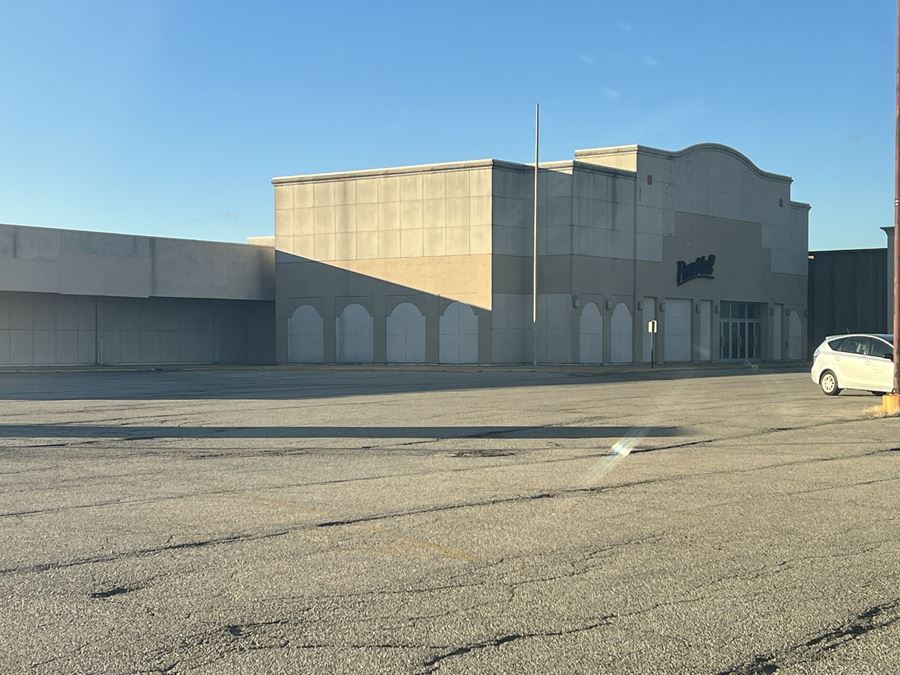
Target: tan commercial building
433 263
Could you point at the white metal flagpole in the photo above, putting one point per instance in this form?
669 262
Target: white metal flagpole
534 237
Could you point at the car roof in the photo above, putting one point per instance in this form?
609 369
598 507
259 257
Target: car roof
887 337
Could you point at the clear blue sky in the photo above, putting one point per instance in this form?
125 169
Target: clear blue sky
170 118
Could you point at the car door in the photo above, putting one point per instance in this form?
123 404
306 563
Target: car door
879 372
850 363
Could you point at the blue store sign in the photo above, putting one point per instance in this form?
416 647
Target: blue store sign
701 268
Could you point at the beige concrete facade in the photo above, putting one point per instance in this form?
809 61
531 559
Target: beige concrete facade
613 225
69 297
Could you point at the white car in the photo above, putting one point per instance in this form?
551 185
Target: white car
859 361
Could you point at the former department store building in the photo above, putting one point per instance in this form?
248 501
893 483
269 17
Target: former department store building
433 263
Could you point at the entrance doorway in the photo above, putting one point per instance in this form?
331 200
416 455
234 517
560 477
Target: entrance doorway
739 331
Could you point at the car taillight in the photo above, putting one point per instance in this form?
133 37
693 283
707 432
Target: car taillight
816 354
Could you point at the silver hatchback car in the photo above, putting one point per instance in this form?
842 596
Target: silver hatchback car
859 361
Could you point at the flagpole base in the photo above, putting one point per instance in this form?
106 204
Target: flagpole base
890 404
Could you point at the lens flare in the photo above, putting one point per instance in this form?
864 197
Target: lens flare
619 451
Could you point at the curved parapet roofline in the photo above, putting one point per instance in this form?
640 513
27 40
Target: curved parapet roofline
669 154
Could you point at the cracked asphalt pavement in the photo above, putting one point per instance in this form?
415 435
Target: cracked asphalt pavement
445 521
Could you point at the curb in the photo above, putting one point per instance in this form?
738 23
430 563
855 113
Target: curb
568 369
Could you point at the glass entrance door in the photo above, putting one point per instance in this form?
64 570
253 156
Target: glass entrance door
739 331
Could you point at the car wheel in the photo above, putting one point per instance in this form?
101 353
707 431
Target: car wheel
828 382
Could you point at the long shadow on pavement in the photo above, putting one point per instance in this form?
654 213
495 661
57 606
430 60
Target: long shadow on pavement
153 432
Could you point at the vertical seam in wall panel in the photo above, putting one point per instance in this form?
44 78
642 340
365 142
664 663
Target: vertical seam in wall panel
152 246
98 326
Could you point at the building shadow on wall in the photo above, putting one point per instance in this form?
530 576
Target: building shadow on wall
326 313
437 310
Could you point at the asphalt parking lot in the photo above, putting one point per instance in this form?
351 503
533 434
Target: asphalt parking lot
423 521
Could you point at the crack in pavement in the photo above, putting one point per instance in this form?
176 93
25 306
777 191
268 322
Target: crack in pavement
110 592
143 552
871 619
221 641
491 502
434 663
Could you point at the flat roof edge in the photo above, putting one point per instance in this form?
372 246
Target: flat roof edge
123 234
825 251
609 150
396 170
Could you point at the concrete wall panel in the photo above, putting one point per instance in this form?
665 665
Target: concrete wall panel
795 336
590 338
458 334
620 335
677 318
355 335
66 346
4 345
91 263
21 347
306 336
405 334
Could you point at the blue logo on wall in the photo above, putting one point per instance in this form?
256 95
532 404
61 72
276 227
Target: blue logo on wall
701 268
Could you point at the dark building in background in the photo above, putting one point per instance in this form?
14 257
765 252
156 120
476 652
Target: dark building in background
889 231
847 293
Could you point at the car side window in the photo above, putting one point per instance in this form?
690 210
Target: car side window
880 348
850 345
863 346
836 344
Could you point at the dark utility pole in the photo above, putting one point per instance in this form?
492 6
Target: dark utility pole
896 252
